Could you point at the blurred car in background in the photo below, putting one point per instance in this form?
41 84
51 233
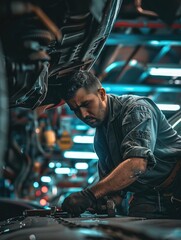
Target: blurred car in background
44 41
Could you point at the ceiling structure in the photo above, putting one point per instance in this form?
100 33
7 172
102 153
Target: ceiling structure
146 37
142 43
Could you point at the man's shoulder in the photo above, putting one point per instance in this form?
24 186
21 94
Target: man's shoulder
126 99
131 101
117 104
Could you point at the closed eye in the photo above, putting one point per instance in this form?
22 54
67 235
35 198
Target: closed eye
83 105
74 109
86 104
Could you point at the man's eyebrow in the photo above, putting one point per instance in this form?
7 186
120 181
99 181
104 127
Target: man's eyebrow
76 108
81 105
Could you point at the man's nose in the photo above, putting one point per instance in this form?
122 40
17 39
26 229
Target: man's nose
84 113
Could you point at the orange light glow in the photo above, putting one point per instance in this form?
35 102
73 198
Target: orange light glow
43 202
44 189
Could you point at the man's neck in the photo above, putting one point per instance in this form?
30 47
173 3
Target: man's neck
105 122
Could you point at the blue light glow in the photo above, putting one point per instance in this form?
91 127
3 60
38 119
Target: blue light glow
80 155
46 179
117 88
133 62
62 170
58 164
173 72
91 179
154 42
83 139
35 184
51 165
176 123
125 88
81 127
113 65
81 165
168 107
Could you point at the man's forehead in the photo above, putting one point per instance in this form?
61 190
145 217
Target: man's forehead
81 92
81 96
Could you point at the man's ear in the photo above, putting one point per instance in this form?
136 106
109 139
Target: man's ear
102 93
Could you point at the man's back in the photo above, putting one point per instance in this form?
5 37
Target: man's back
137 128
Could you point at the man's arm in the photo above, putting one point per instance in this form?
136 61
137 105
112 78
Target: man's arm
122 176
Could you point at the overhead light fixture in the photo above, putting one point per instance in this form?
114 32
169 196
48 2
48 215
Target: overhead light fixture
170 70
46 179
117 88
161 42
125 88
81 165
51 165
119 64
113 65
62 170
80 155
168 107
176 123
83 139
65 170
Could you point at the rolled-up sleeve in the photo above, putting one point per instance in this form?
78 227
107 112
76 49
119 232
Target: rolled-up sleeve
139 128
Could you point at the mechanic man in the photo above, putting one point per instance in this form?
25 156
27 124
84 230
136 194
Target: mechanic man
138 150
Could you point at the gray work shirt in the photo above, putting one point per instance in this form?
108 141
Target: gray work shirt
135 127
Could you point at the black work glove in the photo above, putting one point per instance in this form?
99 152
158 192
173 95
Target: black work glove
103 205
77 203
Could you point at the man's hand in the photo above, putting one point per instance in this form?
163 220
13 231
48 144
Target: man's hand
77 203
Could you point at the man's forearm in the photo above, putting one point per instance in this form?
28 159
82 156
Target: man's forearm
122 176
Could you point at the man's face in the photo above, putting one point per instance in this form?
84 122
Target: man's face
91 108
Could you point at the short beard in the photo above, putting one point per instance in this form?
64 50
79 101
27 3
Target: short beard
100 121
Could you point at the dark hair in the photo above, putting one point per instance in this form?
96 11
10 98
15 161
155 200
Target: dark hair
80 79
